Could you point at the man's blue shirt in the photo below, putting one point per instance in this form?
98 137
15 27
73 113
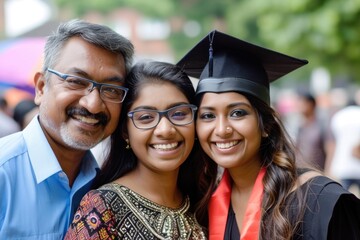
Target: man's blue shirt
36 201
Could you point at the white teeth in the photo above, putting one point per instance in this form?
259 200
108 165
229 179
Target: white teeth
86 120
168 146
226 145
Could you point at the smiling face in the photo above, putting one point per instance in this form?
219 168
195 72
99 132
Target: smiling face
165 147
228 130
73 121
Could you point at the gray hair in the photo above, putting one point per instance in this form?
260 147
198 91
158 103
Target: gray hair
99 35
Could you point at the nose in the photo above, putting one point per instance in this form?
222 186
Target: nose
223 128
92 101
164 127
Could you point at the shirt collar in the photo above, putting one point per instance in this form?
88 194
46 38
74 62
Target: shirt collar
42 157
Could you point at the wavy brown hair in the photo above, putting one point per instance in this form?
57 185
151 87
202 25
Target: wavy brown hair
281 210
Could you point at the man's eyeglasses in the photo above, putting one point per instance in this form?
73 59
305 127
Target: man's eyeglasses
147 118
108 92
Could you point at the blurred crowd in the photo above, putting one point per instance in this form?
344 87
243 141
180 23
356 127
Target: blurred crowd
14 119
325 129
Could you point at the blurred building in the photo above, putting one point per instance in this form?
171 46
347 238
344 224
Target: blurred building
148 35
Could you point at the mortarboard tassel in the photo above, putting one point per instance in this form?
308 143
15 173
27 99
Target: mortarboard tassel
211 39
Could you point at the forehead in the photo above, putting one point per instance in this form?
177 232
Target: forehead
93 59
223 98
159 95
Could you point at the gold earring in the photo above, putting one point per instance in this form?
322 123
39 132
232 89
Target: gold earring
127 144
265 135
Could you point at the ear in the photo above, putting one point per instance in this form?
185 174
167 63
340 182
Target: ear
39 81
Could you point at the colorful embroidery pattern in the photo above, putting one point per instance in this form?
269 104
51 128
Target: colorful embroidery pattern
116 212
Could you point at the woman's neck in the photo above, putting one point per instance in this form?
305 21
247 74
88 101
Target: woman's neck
159 188
244 177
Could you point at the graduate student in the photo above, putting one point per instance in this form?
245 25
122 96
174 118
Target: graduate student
261 194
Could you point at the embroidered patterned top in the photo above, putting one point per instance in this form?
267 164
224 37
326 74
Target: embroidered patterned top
116 212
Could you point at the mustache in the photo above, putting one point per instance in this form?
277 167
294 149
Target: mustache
102 117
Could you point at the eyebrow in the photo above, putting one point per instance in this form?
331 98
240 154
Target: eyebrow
231 105
80 73
235 104
153 108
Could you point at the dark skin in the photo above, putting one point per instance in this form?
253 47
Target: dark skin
71 133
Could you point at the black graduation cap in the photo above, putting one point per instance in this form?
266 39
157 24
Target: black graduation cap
224 63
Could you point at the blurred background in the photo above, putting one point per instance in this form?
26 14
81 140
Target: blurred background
325 32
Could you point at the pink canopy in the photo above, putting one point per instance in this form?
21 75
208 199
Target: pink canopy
19 60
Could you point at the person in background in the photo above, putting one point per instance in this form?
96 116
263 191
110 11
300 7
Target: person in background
312 135
261 193
47 168
24 112
343 164
7 124
148 184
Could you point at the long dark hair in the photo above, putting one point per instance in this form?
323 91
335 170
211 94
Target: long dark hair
120 160
278 156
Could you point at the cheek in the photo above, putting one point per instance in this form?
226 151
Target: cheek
203 132
253 134
189 135
199 131
249 129
135 136
58 101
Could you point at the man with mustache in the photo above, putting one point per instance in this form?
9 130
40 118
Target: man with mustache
47 168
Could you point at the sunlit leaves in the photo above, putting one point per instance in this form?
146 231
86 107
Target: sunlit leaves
324 31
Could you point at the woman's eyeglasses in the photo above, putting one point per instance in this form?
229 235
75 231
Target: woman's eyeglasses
148 118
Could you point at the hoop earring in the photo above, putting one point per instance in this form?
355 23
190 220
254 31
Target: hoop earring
127 144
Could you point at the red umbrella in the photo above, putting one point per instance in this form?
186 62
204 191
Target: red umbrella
19 60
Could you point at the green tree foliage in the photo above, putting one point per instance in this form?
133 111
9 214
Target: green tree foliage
160 8
325 31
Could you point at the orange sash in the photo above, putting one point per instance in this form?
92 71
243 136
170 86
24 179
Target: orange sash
219 207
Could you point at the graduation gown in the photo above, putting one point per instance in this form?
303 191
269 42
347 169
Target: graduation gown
331 213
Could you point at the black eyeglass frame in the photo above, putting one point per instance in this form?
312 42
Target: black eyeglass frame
95 84
165 114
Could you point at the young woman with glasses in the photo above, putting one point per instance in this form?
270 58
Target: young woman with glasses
148 186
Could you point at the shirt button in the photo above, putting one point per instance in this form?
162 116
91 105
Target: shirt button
62 175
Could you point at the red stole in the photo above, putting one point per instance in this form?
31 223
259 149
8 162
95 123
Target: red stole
219 207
